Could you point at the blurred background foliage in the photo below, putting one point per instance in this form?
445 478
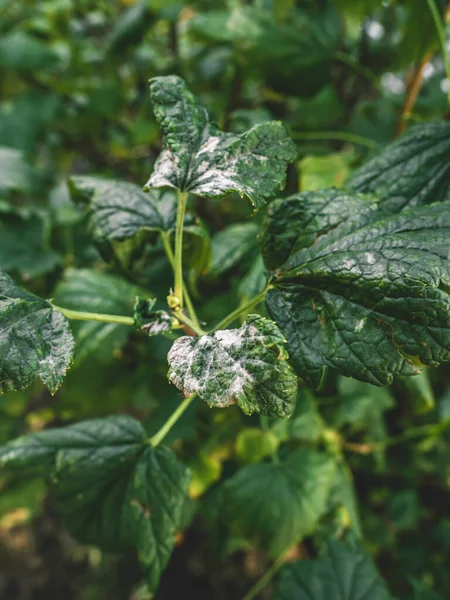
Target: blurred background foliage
74 100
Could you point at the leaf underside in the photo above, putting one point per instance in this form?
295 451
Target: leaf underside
245 366
198 158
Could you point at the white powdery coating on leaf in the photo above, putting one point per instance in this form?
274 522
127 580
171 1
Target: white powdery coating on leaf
222 368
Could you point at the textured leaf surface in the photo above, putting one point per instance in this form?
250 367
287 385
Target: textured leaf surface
93 291
413 170
344 573
296 222
200 159
35 340
275 505
118 209
151 322
245 366
113 489
369 298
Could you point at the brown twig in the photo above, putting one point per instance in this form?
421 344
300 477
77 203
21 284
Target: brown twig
412 92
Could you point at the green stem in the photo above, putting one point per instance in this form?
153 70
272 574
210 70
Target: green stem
341 136
161 434
265 579
242 309
78 315
178 268
165 237
439 24
178 314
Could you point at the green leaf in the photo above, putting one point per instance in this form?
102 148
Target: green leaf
412 171
344 573
424 592
294 56
295 222
25 244
325 171
254 444
369 299
22 52
151 322
93 291
113 489
245 366
35 340
17 174
276 505
122 219
419 392
200 159
231 245
254 281
118 210
305 424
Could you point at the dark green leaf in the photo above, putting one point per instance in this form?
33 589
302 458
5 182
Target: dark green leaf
25 244
294 56
20 51
112 487
93 291
276 505
231 245
35 340
296 222
413 170
305 424
119 210
200 159
245 366
369 298
344 573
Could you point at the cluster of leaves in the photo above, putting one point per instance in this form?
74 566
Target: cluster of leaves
328 257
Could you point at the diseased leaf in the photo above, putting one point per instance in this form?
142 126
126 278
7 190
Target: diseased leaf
276 505
200 159
245 366
297 221
35 340
151 322
413 170
112 487
99 293
344 573
369 299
